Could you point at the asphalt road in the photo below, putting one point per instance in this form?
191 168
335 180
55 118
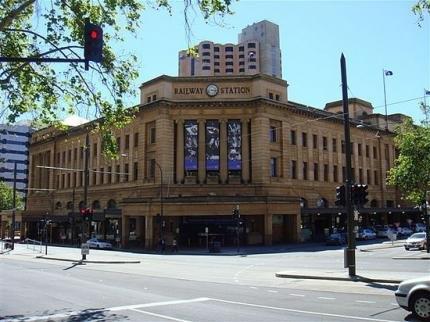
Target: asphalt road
194 288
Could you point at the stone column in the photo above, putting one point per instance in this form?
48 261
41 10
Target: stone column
245 150
124 230
180 151
268 225
260 150
202 152
223 151
149 232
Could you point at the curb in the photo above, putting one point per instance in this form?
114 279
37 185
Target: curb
357 278
413 258
377 248
87 261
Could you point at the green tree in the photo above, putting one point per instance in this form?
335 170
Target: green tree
411 171
6 197
31 28
420 8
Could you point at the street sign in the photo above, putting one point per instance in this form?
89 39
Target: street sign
85 249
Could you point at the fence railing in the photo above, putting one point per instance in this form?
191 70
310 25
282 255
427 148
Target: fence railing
34 245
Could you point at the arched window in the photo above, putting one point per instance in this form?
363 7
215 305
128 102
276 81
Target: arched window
303 203
322 203
69 205
58 205
111 204
81 205
96 204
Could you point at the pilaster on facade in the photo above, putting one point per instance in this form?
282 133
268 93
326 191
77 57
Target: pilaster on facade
180 151
245 151
285 155
261 149
165 147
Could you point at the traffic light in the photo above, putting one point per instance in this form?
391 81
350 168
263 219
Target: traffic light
87 214
359 194
93 47
364 194
340 196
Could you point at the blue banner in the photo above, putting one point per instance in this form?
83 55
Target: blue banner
234 145
212 145
191 131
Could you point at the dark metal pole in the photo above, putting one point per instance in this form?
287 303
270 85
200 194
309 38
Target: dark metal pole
73 216
161 202
237 228
427 221
86 179
13 206
348 205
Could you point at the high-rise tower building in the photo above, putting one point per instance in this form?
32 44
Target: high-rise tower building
258 51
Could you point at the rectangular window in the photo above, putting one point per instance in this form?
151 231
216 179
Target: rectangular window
343 174
109 175
216 70
376 179
305 171
216 56
136 171
359 150
63 178
252 67
154 97
325 144
360 176
304 139
206 46
352 147
69 184
117 170
273 167
136 140
315 141
273 134
69 155
216 63
75 154
375 152
316 172
293 137
241 63
206 67
277 97
118 143
253 60
95 149
335 174
127 141
148 99
343 146
102 175
58 181
293 169
271 96
81 153
326 172
151 173
241 48
228 49
216 49
126 170
367 151
369 177
334 145
241 70
152 135
229 63
241 56
229 70
94 182
206 53
229 56
207 61
251 45
387 152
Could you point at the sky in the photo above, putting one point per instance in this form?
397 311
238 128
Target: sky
373 35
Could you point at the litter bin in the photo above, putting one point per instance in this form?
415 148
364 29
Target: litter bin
215 247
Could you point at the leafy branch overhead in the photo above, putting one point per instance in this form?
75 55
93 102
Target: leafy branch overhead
31 28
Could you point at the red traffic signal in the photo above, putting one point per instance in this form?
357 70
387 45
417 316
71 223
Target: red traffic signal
93 46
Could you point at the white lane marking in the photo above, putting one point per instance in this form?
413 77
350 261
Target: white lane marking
236 276
327 298
272 291
368 302
301 311
160 315
116 308
292 294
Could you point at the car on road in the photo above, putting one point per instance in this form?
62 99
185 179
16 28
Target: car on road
336 239
98 243
417 240
366 233
414 295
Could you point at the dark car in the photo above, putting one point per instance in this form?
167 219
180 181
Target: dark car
336 239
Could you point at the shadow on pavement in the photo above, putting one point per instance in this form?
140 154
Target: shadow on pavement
382 286
84 315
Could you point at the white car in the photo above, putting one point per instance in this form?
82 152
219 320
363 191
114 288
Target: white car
417 240
414 295
98 243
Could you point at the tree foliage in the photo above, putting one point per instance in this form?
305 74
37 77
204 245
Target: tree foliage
420 8
37 28
6 197
411 171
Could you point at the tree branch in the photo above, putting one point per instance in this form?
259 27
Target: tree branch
7 21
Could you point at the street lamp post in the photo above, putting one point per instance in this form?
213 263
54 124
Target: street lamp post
350 219
386 73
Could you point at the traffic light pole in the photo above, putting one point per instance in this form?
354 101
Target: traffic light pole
86 182
348 205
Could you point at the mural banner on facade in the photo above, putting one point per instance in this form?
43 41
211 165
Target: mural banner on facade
212 145
191 131
234 144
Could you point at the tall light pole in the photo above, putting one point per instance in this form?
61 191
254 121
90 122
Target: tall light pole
386 73
350 219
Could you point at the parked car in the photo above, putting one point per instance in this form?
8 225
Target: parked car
414 295
404 231
336 239
420 227
382 231
417 240
98 243
366 234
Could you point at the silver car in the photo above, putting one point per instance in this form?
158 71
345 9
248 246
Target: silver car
414 295
417 240
97 243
